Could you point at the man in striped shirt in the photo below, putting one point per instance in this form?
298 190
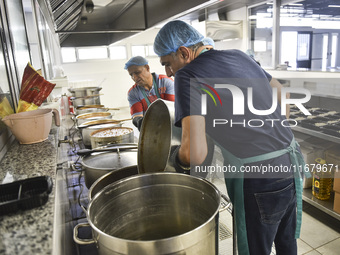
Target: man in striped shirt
147 88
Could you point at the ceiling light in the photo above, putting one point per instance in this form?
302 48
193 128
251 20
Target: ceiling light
296 4
89 6
334 6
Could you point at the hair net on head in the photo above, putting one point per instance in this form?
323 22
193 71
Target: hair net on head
208 41
136 61
173 35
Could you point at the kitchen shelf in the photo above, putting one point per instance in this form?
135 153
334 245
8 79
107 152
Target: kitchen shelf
318 134
324 205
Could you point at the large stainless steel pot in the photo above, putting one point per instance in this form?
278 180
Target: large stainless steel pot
96 165
110 135
86 131
157 213
84 96
109 178
92 116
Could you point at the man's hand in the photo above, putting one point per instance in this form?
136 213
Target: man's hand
137 121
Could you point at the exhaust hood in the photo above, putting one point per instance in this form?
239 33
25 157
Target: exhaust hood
224 30
81 23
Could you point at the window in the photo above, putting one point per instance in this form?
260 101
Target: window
68 55
118 52
149 51
289 48
334 49
92 53
138 50
261 33
260 46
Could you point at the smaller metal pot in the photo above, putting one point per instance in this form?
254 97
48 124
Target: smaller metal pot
92 116
111 135
96 165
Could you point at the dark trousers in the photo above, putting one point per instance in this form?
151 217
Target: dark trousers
270 211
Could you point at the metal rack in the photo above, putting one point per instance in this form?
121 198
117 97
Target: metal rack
318 134
307 196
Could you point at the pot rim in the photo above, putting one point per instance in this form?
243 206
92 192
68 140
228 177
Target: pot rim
91 123
105 176
99 153
93 114
149 242
84 88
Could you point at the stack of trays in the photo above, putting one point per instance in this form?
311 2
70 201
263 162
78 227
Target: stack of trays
322 120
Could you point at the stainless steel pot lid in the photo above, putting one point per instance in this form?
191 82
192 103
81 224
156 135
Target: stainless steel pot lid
110 160
154 138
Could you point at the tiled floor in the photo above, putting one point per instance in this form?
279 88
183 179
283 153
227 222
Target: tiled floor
316 237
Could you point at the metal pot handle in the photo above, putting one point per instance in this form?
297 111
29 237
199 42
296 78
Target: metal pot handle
73 167
225 204
79 240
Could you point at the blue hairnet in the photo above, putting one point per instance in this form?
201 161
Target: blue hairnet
173 35
208 41
136 61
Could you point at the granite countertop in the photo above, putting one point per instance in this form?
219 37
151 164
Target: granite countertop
30 231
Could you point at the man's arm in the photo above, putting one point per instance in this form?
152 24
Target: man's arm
193 148
136 109
168 83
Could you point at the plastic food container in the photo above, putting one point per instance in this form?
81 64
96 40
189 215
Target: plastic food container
24 194
32 126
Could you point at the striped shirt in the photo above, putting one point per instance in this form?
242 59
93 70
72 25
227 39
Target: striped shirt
137 102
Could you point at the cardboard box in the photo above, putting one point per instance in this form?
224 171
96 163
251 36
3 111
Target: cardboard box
309 156
336 206
300 137
336 183
320 145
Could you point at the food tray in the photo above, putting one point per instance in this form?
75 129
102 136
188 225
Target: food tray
321 119
24 194
320 111
298 116
331 130
311 124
